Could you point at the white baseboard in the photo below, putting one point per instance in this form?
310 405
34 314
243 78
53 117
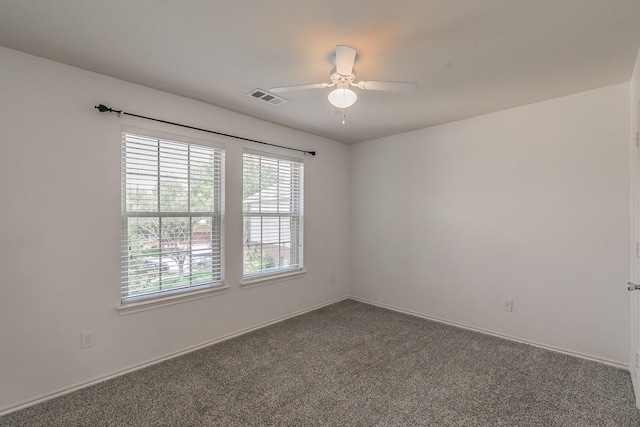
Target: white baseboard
495 334
67 390
79 386
636 387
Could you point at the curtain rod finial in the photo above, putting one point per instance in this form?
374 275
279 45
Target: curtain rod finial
104 109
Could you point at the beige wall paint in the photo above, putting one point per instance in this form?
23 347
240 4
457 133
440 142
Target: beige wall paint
530 204
634 298
60 229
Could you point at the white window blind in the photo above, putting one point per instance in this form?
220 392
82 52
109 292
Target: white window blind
172 212
272 214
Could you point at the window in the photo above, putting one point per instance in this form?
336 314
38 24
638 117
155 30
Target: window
172 212
272 214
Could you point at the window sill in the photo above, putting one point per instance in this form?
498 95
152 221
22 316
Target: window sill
273 278
135 307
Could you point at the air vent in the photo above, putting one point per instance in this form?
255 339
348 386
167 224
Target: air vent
267 97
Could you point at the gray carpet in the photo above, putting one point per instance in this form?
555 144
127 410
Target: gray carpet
353 364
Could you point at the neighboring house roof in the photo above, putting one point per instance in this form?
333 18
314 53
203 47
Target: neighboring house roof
269 200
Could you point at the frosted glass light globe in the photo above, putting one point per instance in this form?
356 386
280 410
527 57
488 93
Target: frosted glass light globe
342 98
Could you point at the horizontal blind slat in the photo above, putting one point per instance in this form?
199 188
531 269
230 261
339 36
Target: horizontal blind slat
273 214
169 243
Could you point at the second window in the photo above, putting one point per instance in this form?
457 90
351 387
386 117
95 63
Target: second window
272 214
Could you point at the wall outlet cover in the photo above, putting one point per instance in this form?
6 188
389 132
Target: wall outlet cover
87 339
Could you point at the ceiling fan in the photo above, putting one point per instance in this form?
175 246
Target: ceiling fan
343 77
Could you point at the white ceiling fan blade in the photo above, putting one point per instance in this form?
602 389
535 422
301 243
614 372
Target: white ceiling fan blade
345 57
300 87
392 86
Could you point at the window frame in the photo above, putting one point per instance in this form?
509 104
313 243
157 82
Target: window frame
296 184
142 301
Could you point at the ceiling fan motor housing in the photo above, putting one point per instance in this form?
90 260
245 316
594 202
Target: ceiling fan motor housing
342 81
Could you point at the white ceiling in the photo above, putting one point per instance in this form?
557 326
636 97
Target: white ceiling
469 57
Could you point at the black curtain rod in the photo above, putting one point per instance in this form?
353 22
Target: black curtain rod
104 109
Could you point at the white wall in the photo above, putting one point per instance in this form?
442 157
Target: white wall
60 229
530 204
634 298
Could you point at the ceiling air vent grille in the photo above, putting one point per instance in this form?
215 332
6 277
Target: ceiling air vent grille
267 97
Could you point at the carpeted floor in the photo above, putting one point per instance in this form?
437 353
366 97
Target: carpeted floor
353 364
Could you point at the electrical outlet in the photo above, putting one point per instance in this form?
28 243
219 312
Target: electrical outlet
88 339
507 304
